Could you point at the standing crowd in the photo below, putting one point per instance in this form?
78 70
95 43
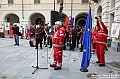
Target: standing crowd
59 37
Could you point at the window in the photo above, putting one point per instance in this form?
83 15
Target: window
36 1
10 2
85 1
58 1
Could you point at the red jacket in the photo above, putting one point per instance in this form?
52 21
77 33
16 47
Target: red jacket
102 33
94 36
39 31
32 30
58 37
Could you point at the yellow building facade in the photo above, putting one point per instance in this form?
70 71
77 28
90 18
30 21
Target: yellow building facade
18 11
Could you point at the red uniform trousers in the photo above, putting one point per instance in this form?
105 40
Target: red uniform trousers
100 51
11 33
58 55
93 47
27 35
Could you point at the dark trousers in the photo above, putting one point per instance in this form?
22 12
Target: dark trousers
81 49
16 37
78 38
50 42
39 41
45 40
72 46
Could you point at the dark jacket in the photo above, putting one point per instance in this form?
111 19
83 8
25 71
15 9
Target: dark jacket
15 30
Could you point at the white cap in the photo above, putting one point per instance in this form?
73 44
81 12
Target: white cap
58 22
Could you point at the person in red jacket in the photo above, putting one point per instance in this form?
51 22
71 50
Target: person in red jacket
3 31
11 31
58 45
39 32
101 41
94 39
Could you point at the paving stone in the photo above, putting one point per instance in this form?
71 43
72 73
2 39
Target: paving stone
11 71
5 76
22 64
26 73
16 62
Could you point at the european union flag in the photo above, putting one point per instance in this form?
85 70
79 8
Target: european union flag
72 21
86 42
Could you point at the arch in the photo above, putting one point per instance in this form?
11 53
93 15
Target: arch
36 17
80 19
12 18
99 11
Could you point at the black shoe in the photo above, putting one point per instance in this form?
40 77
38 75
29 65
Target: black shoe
57 68
72 49
52 65
50 47
45 46
101 65
81 69
80 50
97 62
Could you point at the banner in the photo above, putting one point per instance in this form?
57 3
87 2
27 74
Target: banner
24 24
7 25
67 21
115 30
1 29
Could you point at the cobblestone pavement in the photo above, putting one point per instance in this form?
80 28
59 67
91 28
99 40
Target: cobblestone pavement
16 63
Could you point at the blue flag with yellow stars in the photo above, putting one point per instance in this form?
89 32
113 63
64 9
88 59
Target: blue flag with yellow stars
72 21
86 42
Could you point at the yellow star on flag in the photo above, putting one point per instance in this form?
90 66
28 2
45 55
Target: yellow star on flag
84 50
88 29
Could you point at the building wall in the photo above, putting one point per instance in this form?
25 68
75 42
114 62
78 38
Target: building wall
110 13
43 8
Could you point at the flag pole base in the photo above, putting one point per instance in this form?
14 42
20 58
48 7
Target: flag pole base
82 70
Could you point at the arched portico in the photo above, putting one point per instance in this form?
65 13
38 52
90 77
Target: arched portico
80 19
12 18
36 18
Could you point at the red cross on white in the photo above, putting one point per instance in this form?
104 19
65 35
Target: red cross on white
1 29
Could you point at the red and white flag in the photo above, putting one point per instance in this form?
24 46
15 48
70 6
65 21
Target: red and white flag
1 29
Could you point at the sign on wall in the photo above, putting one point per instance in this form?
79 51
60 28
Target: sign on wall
7 25
115 30
24 24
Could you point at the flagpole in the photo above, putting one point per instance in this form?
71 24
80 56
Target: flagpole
89 3
71 7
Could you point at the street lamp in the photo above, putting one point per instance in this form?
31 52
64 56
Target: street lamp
22 10
61 9
71 7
